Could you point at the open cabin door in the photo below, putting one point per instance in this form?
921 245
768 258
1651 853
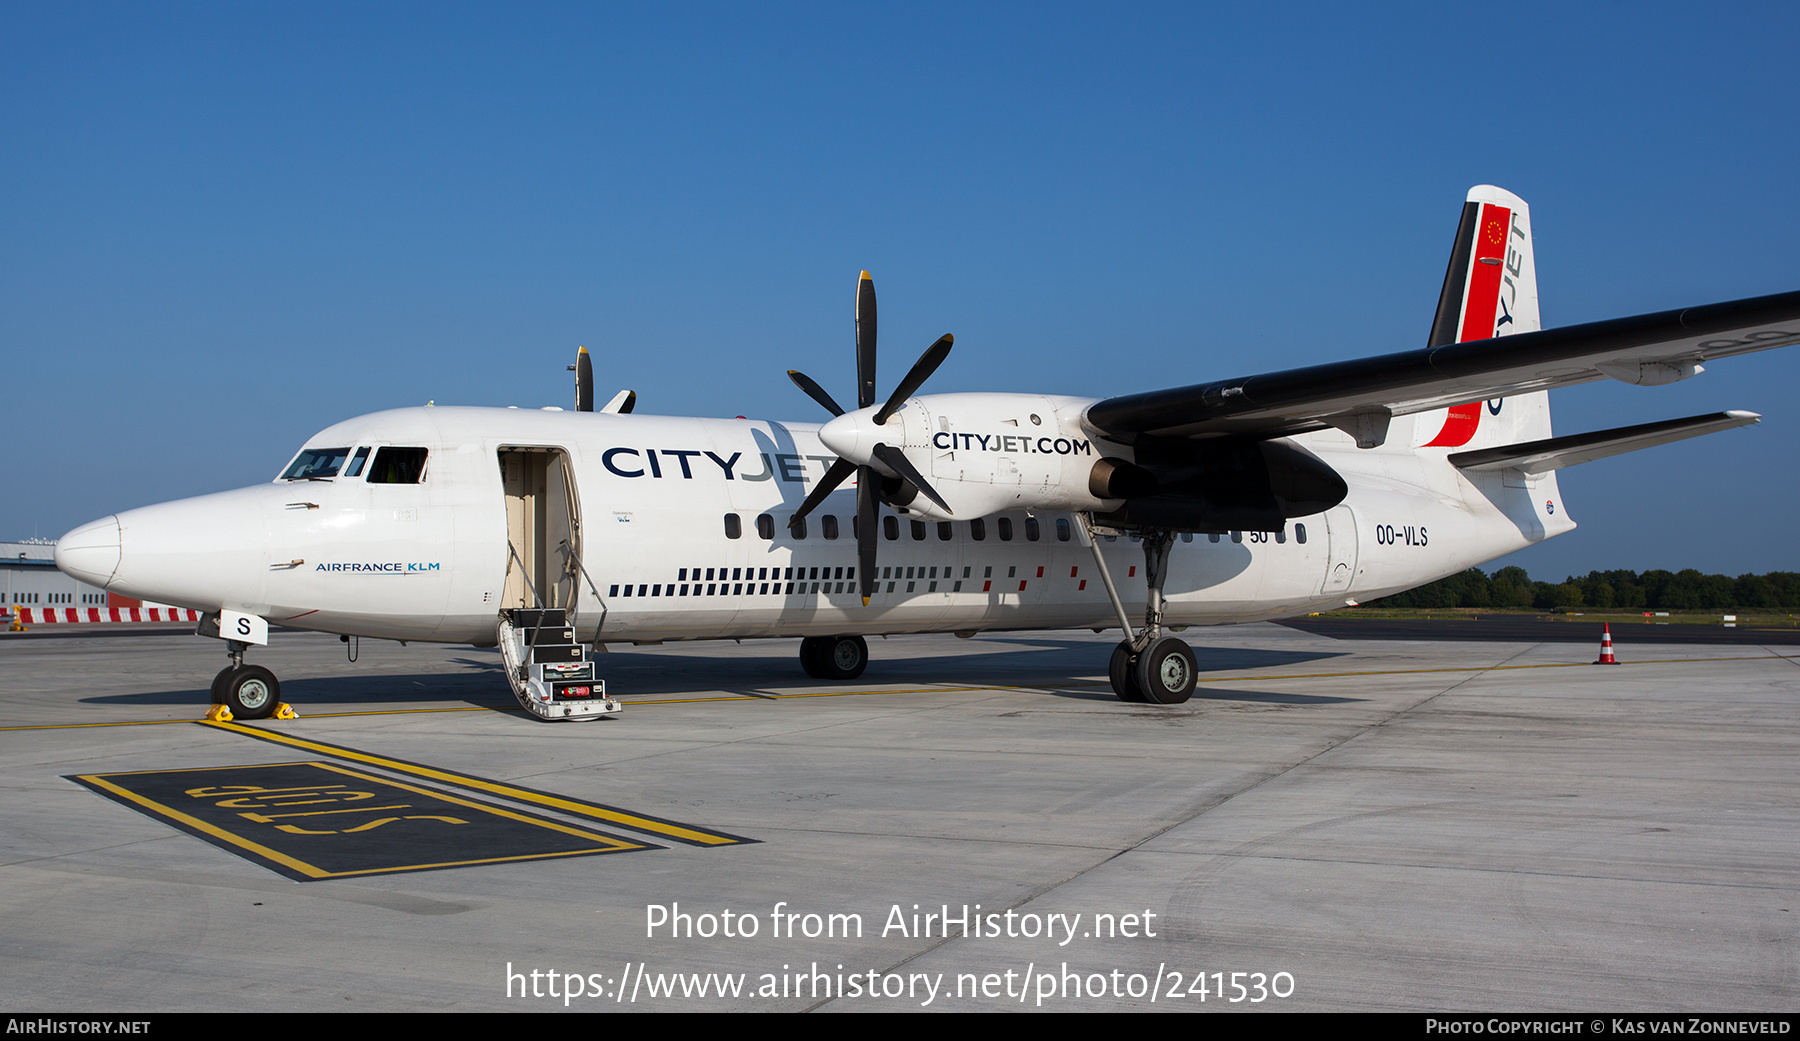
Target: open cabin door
543 529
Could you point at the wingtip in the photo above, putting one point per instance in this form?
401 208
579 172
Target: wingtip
582 350
865 277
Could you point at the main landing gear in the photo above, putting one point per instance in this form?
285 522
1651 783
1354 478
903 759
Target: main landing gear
246 691
834 657
1147 666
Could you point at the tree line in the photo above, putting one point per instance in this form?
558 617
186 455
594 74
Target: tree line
1687 590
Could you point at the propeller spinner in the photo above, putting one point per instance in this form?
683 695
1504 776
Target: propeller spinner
868 478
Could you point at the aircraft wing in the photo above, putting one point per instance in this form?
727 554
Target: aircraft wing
1359 396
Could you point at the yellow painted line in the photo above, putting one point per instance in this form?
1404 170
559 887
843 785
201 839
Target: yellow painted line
571 806
611 842
199 825
628 700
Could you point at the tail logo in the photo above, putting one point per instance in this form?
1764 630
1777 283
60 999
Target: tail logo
1486 309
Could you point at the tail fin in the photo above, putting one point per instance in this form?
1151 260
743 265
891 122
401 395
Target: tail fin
1490 290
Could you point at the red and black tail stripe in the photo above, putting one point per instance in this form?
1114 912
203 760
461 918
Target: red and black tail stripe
1469 301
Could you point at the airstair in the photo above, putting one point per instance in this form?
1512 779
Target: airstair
549 670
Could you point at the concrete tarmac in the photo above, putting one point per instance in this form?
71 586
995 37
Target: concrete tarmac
1410 826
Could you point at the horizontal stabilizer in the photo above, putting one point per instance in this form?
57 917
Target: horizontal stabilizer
1554 453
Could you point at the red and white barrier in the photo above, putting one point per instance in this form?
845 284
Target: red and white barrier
33 615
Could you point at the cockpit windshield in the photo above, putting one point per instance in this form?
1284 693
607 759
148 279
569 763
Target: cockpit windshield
316 464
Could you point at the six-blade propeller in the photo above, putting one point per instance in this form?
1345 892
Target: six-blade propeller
868 478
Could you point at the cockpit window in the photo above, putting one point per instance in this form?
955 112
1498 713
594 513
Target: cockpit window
398 466
316 464
357 461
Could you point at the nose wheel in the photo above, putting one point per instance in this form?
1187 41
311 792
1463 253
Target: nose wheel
247 691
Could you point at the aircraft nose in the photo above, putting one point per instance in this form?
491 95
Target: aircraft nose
91 552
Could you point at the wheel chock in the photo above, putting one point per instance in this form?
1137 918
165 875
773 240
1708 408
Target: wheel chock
218 714
286 711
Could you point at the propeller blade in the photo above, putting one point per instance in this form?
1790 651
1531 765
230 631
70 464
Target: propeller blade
835 476
865 341
584 381
814 391
921 371
896 460
866 536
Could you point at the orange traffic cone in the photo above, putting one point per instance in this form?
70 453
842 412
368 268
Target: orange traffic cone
1606 651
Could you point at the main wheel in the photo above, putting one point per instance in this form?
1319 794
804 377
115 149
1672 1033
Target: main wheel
1122 670
812 656
251 692
1165 672
844 657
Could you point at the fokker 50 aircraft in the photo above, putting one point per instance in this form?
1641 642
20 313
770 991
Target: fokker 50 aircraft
551 532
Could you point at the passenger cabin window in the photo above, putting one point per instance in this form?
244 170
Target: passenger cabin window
1062 529
734 528
765 527
1005 526
316 464
944 531
918 531
398 466
890 528
829 526
355 468
1032 531
797 528
977 529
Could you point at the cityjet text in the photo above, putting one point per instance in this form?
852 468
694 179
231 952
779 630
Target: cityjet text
1020 443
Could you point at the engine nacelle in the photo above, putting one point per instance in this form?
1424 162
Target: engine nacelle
983 453
1220 484
986 453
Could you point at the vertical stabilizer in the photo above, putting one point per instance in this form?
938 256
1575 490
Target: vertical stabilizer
1490 287
1490 290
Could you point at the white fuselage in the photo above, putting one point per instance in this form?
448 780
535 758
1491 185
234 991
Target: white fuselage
430 560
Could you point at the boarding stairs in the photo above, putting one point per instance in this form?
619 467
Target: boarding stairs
548 669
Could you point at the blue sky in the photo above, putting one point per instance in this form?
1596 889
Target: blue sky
228 226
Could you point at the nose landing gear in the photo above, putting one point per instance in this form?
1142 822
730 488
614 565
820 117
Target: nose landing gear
242 691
